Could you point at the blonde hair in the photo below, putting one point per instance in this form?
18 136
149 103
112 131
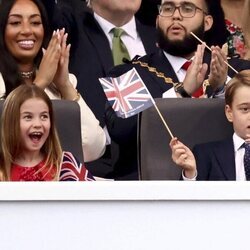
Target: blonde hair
11 145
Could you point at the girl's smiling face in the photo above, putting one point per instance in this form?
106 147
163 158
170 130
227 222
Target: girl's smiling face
34 124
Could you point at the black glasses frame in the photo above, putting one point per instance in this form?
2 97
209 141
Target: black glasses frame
178 7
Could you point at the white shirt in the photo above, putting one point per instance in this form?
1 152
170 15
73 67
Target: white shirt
130 37
176 63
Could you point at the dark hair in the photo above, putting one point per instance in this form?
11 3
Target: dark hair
8 64
239 80
218 33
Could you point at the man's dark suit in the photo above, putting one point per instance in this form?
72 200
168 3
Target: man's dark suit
124 131
215 161
90 54
91 58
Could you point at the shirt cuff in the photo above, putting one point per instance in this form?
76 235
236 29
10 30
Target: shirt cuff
170 93
188 179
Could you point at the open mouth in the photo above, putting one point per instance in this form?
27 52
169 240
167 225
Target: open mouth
36 136
175 28
26 44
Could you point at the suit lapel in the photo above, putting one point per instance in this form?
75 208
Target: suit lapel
148 37
224 153
161 63
100 42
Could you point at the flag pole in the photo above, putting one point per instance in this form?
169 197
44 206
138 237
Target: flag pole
211 51
163 120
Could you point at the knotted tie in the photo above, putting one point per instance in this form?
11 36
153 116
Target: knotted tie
199 91
247 160
186 65
119 50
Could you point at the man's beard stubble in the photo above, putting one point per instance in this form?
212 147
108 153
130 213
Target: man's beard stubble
183 47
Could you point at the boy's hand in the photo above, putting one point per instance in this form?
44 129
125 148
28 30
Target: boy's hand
183 157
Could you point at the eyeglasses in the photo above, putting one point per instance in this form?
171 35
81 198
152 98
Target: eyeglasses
186 9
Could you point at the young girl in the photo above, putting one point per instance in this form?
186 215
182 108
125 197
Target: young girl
30 147
226 159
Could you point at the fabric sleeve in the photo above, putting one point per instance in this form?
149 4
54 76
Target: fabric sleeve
93 135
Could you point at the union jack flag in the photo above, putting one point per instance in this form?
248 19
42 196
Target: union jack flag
73 170
127 93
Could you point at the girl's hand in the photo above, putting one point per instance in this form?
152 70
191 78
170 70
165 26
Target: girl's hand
183 157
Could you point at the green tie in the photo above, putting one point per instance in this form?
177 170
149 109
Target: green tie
119 50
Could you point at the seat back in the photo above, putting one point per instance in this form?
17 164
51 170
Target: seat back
192 121
68 124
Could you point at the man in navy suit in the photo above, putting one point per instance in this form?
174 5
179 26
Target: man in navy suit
91 55
90 36
221 160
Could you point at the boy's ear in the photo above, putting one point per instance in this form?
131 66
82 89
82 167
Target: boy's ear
228 112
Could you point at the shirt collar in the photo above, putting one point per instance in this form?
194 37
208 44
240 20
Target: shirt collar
129 28
175 61
238 142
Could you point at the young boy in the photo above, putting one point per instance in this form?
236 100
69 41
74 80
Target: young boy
227 159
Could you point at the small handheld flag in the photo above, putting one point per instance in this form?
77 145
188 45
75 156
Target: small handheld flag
73 170
127 93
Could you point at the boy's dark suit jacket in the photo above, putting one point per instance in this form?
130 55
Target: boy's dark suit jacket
215 161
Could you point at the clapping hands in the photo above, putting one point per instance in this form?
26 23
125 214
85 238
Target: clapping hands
54 64
196 72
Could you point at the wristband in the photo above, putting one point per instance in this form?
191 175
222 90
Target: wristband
180 89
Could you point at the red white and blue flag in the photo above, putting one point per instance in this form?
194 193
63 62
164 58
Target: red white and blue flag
73 170
127 93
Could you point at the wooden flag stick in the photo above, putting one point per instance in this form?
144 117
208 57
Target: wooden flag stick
211 51
164 122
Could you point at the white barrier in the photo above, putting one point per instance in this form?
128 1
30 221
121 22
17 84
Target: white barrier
125 215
